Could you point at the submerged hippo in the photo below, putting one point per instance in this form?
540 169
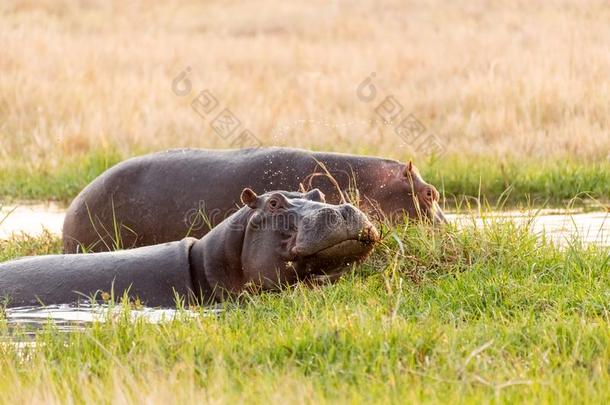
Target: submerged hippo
168 195
275 239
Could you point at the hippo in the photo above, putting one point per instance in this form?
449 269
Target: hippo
275 239
166 196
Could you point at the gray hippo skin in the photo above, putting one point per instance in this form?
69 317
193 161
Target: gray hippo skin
166 196
275 239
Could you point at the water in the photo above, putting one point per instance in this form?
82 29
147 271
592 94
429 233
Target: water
31 219
560 226
24 322
71 317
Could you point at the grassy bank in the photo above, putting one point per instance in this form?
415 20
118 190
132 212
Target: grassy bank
508 183
19 181
460 316
519 182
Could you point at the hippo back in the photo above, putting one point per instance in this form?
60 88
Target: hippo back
154 274
166 196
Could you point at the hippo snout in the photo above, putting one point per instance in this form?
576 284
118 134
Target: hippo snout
358 225
369 235
429 197
328 227
438 215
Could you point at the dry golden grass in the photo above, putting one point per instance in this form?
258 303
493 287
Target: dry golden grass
489 78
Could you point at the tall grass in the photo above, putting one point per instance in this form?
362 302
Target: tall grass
513 89
488 314
521 79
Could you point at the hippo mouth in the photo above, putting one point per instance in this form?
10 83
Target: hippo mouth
361 244
435 214
347 248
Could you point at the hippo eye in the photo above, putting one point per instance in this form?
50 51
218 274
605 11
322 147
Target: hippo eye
274 204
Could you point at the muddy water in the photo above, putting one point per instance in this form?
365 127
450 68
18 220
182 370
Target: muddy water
30 219
560 226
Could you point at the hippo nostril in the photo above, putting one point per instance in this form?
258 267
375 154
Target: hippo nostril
346 212
430 194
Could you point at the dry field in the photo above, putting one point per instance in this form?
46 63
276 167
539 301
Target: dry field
522 79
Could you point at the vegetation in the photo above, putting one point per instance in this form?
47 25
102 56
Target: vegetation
24 182
493 314
517 94
508 183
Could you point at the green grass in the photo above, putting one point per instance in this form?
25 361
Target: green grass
508 183
516 182
23 181
458 316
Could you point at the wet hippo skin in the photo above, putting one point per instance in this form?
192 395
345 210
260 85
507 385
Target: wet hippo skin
151 273
275 239
166 196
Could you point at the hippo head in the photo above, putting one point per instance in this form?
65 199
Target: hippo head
406 193
293 236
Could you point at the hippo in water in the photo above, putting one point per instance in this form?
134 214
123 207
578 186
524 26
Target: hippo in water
166 196
275 239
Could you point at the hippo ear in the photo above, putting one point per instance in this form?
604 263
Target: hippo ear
408 169
249 198
316 195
